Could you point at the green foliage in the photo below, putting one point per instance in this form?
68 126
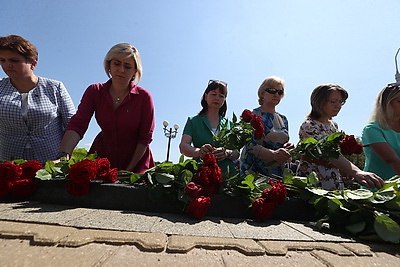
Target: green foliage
236 137
326 148
59 170
365 214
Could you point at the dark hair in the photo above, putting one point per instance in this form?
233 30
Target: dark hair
320 95
19 45
214 85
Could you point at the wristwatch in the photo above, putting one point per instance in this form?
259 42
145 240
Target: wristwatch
63 155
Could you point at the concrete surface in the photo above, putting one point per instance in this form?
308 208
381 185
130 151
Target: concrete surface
38 234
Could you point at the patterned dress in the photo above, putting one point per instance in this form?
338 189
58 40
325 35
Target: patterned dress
276 133
328 175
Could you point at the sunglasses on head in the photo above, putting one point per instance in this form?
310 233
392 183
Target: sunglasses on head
217 81
274 91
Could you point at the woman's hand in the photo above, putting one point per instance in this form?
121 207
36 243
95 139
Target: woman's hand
281 155
288 146
204 149
368 179
220 153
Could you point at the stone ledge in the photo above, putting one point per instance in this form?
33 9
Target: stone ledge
135 197
281 248
183 244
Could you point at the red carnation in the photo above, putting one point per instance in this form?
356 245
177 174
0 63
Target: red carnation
198 207
193 190
29 169
258 126
84 170
79 188
349 146
23 188
4 188
9 171
209 159
258 134
262 209
203 174
111 176
247 115
103 168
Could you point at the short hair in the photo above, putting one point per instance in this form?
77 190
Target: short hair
319 97
214 85
383 112
21 46
270 82
124 50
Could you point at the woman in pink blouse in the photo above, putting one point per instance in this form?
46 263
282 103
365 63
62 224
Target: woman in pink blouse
123 110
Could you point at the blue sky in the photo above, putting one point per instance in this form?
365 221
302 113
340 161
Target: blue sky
185 43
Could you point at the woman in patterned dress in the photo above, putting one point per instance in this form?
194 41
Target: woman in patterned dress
326 102
268 154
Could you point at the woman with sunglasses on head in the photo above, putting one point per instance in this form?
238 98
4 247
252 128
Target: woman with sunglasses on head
123 110
326 102
381 137
34 111
200 129
268 155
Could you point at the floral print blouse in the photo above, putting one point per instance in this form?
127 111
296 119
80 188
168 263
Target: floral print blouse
328 175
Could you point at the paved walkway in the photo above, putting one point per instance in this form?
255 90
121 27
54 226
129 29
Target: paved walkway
37 234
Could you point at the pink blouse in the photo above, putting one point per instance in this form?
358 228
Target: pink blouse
122 128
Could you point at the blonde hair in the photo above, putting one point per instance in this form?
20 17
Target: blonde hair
124 50
270 82
383 112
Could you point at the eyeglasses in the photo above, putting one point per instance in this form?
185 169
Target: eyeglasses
337 102
218 82
274 91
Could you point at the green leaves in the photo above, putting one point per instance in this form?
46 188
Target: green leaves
387 229
360 212
236 137
326 148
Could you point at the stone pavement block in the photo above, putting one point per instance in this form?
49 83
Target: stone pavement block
39 233
182 225
282 247
131 256
379 259
21 253
183 244
293 258
46 213
145 241
115 220
269 230
310 230
358 248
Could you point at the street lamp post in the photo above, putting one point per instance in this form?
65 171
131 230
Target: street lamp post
170 134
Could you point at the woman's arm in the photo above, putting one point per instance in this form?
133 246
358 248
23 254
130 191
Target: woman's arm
69 141
387 154
137 155
367 179
188 150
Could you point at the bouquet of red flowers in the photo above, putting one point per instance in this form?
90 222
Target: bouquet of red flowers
263 206
241 131
17 180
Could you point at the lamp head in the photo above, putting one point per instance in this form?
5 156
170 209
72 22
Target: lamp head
165 123
176 126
